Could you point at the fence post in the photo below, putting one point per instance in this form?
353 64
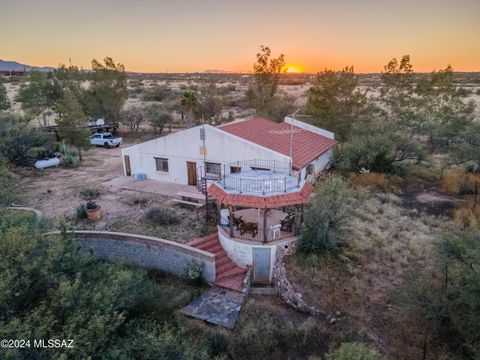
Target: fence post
285 184
241 185
273 165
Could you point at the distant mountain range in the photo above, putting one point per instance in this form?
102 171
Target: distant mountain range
16 66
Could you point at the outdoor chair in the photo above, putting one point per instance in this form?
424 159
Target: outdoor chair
237 222
275 230
250 227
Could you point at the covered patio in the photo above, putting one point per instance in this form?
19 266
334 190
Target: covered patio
260 218
250 224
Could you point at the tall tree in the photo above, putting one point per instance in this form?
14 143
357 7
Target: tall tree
268 70
188 103
38 95
210 104
132 117
108 90
158 117
336 103
397 94
442 110
71 121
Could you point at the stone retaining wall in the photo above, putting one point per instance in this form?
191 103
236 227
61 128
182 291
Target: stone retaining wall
145 251
286 290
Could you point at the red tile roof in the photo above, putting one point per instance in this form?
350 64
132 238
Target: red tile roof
263 202
306 145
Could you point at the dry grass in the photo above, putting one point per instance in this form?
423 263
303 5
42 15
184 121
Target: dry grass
457 181
467 217
375 181
386 240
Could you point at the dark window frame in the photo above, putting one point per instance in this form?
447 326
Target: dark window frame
213 173
163 162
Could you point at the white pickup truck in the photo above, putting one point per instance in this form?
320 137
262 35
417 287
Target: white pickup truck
106 140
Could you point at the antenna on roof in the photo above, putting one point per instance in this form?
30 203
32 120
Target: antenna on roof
291 142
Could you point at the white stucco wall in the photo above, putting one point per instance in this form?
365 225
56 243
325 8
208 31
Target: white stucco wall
321 163
184 146
241 251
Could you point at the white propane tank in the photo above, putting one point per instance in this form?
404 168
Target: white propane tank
42 164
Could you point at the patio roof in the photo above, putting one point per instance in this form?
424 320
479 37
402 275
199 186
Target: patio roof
258 201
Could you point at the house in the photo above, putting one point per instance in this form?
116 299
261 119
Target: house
212 152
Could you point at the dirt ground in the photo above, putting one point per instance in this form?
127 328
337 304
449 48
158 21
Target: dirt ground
56 192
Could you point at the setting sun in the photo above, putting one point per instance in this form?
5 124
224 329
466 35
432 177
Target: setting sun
293 68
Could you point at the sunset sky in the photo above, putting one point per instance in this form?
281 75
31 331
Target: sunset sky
195 35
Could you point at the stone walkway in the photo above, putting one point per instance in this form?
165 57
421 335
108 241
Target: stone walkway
217 306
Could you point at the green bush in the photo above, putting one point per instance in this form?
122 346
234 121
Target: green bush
81 212
354 351
326 215
162 216
193 272
71 160
217 344
89 193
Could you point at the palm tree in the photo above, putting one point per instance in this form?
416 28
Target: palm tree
189 102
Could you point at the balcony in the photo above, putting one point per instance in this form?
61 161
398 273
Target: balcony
258 177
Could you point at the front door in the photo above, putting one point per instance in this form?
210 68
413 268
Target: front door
261 265
128 170
192 173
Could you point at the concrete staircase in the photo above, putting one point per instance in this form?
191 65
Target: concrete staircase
227 274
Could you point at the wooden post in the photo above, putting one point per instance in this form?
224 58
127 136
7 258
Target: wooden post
265 230
219 213
230 218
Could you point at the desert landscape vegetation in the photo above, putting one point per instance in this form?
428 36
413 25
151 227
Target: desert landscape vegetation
391 244
367 247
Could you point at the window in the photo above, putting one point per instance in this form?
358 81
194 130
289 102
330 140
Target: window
161 164
310 169
213 170
235 169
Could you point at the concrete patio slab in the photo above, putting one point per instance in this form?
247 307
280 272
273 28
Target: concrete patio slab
217 306
148 186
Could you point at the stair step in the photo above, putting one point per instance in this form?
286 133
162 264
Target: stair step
214 249
234 283
221 269
231 273
198 241
223 259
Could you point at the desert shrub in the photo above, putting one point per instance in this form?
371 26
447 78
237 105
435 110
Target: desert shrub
354 351
467 217
71 161
141 201
374 180
193 272
80 212
89 193
472 167
443 298
59 293
217 344
326 215
456 181
162 216
157 93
